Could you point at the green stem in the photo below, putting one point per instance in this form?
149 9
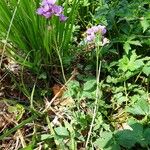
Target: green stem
98 70
8 31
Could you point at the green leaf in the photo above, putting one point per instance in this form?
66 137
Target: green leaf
106 142
123 63
135 43
62 131
42 76
89 85
29 147
18 111
145 24
147 135
126 138
126 47
140 108
46 136
146 70
138 63
87 94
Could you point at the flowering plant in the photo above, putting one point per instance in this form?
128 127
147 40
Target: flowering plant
48 8
33 44
96 31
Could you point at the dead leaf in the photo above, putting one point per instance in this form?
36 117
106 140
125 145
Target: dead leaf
67 102
56 88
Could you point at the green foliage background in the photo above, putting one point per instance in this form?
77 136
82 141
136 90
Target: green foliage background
123 103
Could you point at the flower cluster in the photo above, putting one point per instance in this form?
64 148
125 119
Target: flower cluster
93 31
48 8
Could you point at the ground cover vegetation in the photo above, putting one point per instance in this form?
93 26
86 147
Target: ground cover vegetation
74 74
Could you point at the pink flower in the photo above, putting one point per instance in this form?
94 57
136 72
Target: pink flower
93 31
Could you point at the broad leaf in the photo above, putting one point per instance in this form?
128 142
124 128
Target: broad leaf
62 131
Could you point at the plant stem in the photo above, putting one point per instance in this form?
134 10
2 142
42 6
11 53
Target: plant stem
8 31
61 63
62 67
126 94
98 69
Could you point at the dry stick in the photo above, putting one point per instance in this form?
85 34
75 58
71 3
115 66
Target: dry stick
17 143
74 73
8 31
3 77
21 137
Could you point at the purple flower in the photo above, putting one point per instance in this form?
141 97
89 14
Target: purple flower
90 38
93 31
62 17
48 8
47 15
89 31
49 2
40 11
57 10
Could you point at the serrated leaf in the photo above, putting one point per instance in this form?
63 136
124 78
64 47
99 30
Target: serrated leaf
136 111
123 63
145 24
126 47
140 108
135 43
139 63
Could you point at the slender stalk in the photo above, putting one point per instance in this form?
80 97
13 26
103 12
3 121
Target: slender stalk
126 94
32 95
60 60
8 31
98 70
62 67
